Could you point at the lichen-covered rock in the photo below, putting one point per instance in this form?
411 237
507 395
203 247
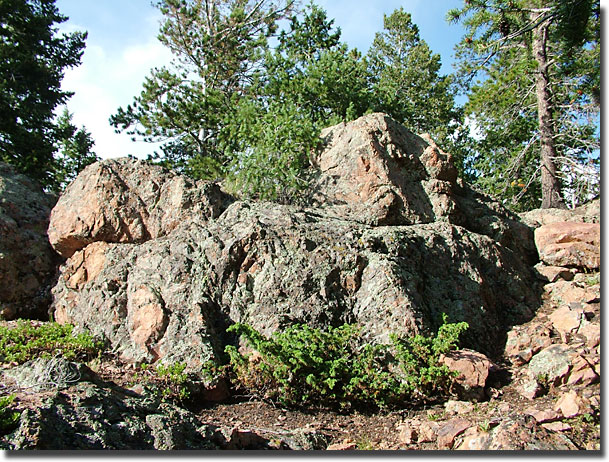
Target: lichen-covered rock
99 415
28 264
551 365
91 417
271 266
375 171
524 342
129 201
45 373
160 267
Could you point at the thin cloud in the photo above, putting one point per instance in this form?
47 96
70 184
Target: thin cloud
106 81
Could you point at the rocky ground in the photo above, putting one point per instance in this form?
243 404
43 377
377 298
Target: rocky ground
545 395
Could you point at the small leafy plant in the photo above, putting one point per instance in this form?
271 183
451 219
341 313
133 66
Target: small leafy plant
419 358
25 341
337 368
8 417
170 380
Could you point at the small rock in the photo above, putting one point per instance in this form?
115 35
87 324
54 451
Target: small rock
582 373
246 439
569 404
476 441
592 333
564 292
428 431
553 273
569 244
522 344
450 430
552 363
473 368
543 416
458 407
566 320
530 389
408 433
345 446
557 426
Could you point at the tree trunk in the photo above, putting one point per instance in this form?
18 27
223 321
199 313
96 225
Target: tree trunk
551 196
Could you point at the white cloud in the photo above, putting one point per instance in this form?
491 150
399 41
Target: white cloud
105 81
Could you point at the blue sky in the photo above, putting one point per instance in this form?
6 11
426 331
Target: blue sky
122 48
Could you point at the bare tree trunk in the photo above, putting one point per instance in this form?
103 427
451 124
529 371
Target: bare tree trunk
550 185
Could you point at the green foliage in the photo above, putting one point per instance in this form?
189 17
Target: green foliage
25 341
484 426
8 417
272 156
304 366
498 69
313 70
406 82
217 46
33 59
75 150
419 356
169 380
309 81
231 106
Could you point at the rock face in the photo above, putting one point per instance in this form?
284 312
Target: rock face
375 171
127 201
158 288
271 266
570 244
27 262
587 213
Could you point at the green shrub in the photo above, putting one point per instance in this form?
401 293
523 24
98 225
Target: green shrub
25 341
169 380
8 417
418 358
337 368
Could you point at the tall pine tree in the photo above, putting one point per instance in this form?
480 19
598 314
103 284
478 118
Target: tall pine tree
532 70
217 47
33 59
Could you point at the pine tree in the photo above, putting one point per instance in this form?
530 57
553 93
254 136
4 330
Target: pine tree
406 80
33 59
218 45
309 81
75 150
532 68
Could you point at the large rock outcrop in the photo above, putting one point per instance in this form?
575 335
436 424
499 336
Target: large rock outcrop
375 171
171 294
28 264
126 201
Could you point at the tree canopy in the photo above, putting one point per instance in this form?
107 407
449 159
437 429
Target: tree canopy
33 59
217 46
246 103
531 71
406 80
75 150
